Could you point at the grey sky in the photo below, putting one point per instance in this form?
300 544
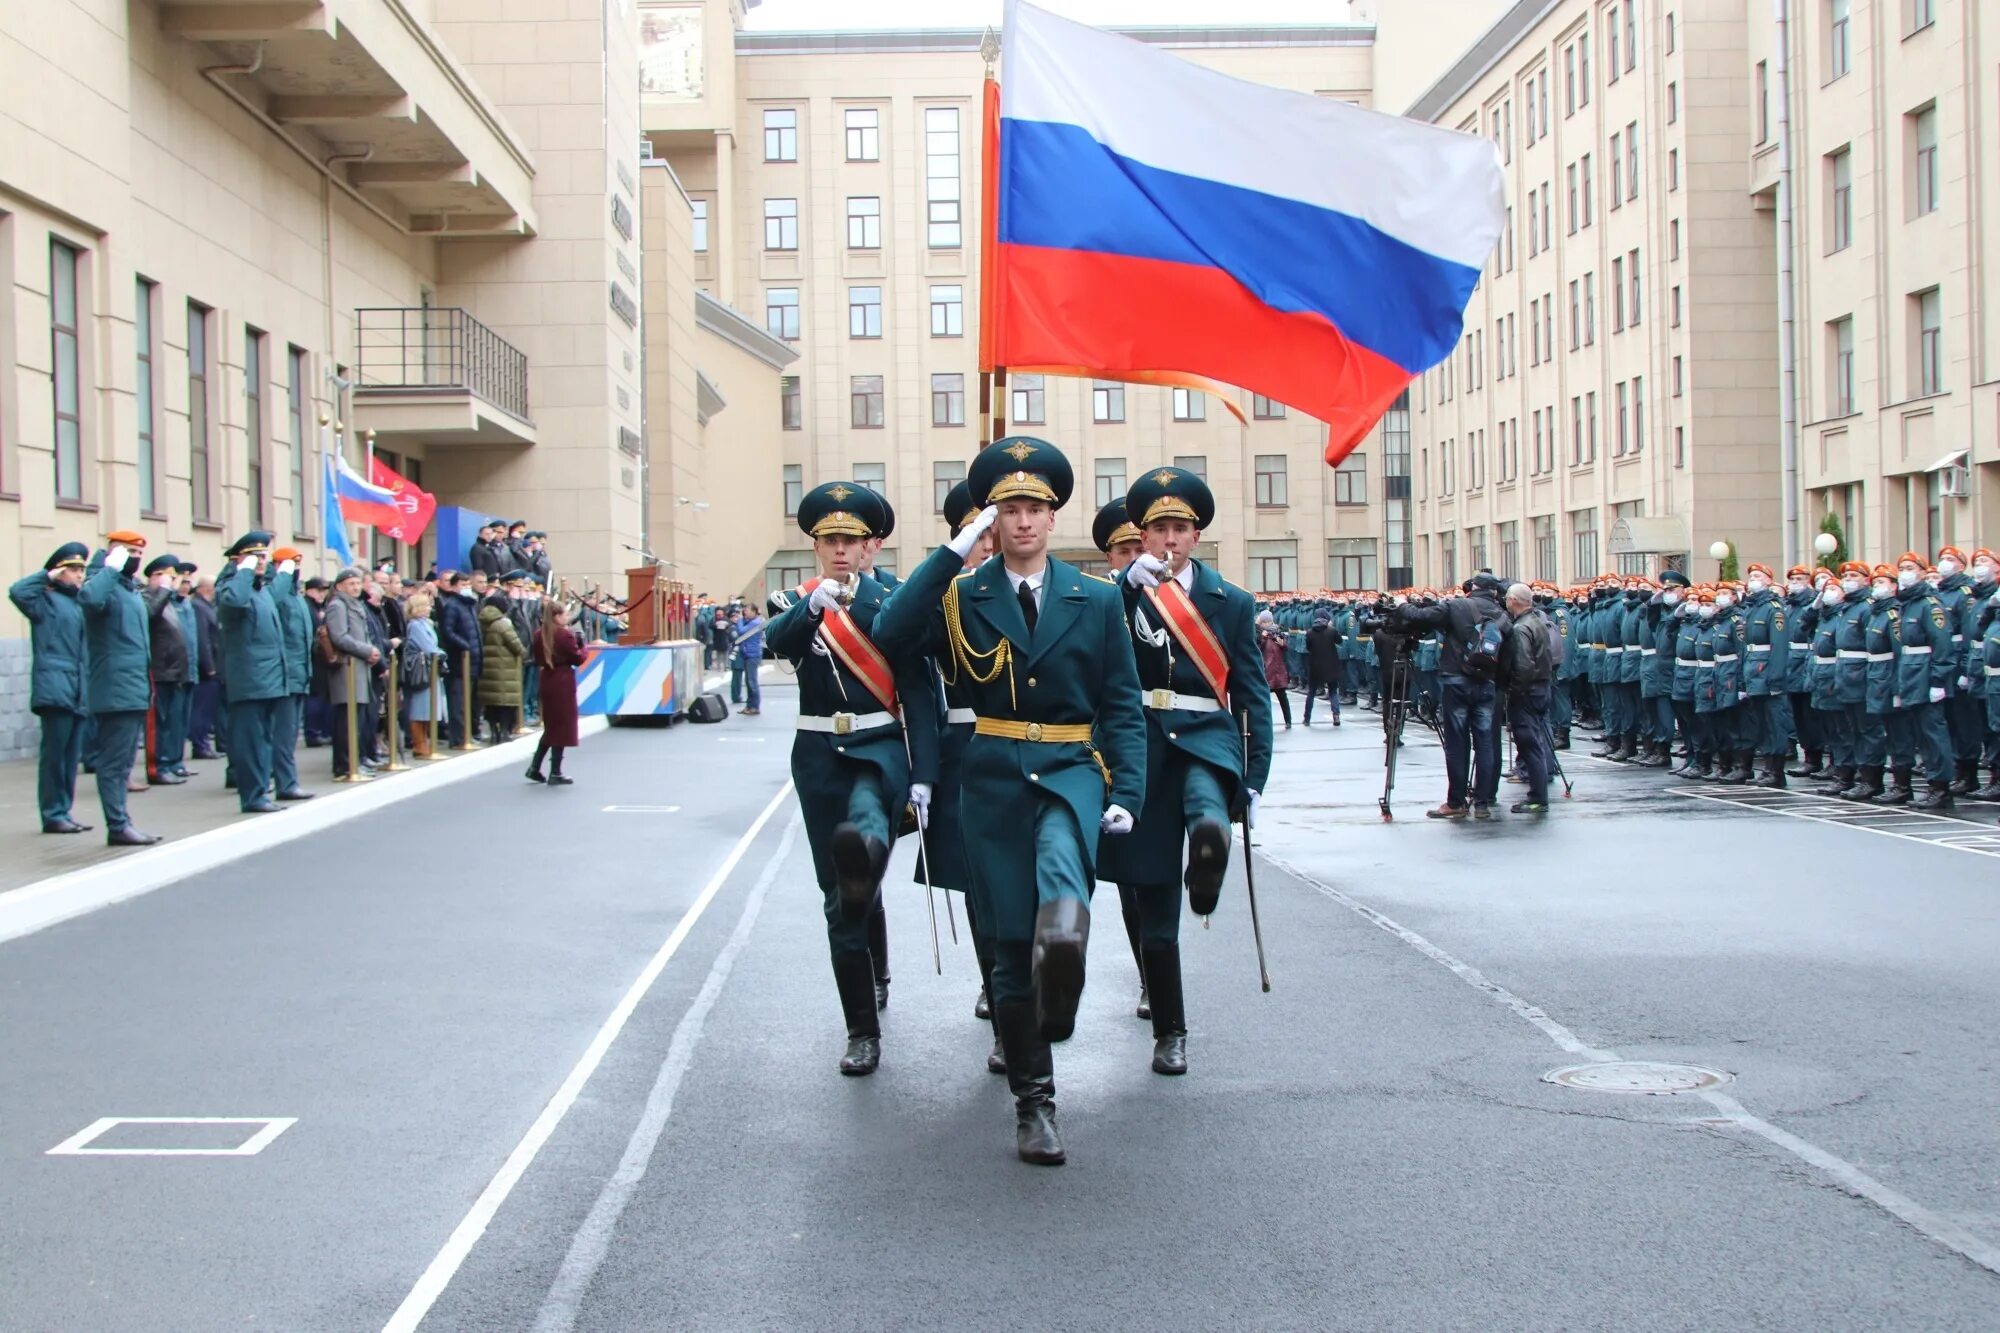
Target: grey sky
793 15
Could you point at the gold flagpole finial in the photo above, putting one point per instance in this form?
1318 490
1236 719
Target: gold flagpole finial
989 50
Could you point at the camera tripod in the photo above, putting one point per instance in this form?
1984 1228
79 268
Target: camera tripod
1398 677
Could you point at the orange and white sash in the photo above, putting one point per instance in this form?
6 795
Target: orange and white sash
1191 629
858 653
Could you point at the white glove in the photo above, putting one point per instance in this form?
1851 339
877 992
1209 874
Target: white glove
288 566
969 535
1145 571
247 562
1937 694
920 801
1117 819
1251 818
1742 696
1964 683
825 597
114 557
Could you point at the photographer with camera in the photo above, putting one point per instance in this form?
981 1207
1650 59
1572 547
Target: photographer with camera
1530 663
1473 635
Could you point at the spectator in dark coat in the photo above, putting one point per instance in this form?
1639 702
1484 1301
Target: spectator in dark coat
56 684
500 669
207 701
173 674
318 716
1323 665
1278 675
458 634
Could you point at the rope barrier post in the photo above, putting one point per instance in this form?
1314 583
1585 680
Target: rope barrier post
394 721
471 723
354 773
437 709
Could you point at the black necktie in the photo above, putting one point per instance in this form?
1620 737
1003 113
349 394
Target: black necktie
1029 612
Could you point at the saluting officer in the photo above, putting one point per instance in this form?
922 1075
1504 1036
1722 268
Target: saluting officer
850 762
253 650
56 685
1802 617
1115 534
1855 674
1926 674
1831 723
1199 668
1057 754
1962 707
119 652
1884 630
173 655
1767 646
295 630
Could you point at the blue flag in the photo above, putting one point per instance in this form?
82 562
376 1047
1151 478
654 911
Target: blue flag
336 526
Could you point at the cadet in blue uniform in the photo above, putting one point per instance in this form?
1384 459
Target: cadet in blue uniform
1687 627
1802 618
1962 703
1882 629
1058 753
1119 538
119 652
1853 671
56 679
1986 628
1198 673
1767 646
1659 628
1727 719
254 672
1982 682
1830 710
853 764
1926 674
295 630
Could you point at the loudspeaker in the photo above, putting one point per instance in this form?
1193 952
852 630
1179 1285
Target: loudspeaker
708 708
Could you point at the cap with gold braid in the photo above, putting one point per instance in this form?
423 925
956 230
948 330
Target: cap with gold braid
1114 525
1020 467
838 509
1170 492
958 507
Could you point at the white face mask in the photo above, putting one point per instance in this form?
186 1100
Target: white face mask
1723 601
1799 586
1831 597
1757 583
1706 613
1947 567
1671 598
1984 571
1882 590
1908 578
1851 585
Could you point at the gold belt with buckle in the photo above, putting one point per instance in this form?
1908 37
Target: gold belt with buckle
1050 732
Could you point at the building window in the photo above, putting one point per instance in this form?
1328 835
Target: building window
1194 463
1575 313
1110 477
1583 543
1930 342
1673 170
253 423
297 414
1680 446
1027 405
1350 564
1674 238
1840 198
1545 547
875 476
864 312
1763 101
1265 409
199 482
781 224
795 488
1350 480
1529 134
1617 294
1576 431
1569 81
1590 427
941 177
1271 481
1678 380
143 399
1190 405
1840 344
945 474
1107 401
67 368
948 400
1623 440
1673 103
1583 70
948 312
791 407
864 142
1274 566
1837 52
781 312
1631 34
864 402
864 222
1675 294
1634 286
1617 170
1588 211
781 136
700 225
1572 198
1672 41
1923 13
1924 161
1610 44
1589 309
1632 161
1638 414
1448 556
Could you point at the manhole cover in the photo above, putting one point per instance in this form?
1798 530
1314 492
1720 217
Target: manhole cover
1638 1076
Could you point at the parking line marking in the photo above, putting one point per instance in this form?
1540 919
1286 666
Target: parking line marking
437 1276
1959 835
76 1145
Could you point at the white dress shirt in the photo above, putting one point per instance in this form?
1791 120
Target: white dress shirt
1034 581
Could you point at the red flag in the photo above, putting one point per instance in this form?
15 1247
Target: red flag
414 504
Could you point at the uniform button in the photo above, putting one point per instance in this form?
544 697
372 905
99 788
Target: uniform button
1031 682
1173 735
1034 777
840 749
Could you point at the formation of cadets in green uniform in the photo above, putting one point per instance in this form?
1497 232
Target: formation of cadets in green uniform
1041 728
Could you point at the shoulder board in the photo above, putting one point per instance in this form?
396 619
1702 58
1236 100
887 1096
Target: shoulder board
965 574
1235 587
1087 574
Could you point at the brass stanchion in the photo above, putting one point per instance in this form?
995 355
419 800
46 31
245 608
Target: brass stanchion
354 773
394 722
437 708
470 721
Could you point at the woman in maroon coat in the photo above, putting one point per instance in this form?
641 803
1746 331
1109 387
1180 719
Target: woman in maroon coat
558 654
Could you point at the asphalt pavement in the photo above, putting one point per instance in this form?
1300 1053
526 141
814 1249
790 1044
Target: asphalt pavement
565 1059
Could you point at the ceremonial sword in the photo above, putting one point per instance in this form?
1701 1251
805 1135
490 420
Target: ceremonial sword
1249 867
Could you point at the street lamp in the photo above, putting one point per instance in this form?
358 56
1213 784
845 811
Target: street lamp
1826 544
1719 552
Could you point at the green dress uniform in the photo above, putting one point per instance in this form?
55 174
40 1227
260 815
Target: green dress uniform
119 651
253 650
852 763
1198 772
1047 662
1113 526
1919 730
295 633
56 682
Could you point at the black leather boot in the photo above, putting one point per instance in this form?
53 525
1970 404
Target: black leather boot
1937 796
1842 779
878 951
1898 790
1032 1079
982 1008
1163 982
1208 858
1144 1009
1770 773
1809 768
1062 930
1656 755
1967 778
1740 770
857 869
854 975
1991 791
1867 784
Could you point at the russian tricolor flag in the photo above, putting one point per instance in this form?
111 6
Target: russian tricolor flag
1155 216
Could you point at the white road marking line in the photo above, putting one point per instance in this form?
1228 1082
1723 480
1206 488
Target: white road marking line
1958 835
272 1126
641 810
592 1241
438 1275
1845 1174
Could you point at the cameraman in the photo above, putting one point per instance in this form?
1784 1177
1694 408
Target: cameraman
1379 623
1473 633
1530 664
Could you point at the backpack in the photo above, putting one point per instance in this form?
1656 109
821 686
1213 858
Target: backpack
1481 658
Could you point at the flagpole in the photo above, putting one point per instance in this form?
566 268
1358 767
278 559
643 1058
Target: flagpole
992 379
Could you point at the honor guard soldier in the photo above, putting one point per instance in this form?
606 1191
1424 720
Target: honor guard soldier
851 763
1119 538
885 527
295 627
1199 668
56 685
253 649
1057 755
119 653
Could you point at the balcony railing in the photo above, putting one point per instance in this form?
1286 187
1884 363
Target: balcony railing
438 350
